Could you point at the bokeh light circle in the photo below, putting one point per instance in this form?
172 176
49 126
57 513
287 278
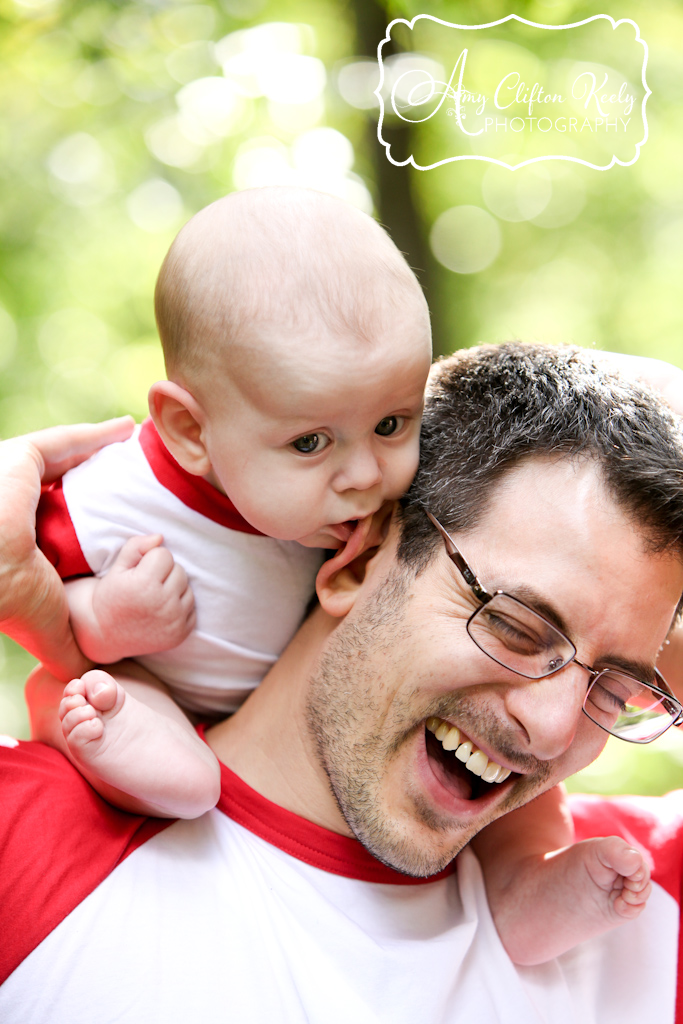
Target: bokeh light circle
517 195
465 239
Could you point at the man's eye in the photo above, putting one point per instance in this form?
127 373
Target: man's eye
307 444
515 636
389 425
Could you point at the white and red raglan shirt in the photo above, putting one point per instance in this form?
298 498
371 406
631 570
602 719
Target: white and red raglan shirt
251 591
253 915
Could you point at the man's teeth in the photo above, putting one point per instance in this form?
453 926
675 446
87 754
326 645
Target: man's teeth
474 760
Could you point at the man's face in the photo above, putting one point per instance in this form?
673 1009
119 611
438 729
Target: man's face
553 538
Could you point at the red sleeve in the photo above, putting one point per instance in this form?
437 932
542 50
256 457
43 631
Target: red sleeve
58 841
655 825
56 536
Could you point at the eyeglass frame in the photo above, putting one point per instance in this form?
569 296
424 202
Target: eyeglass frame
484 596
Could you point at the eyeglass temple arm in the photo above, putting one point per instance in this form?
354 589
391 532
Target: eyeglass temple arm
678 720
662 685
460 562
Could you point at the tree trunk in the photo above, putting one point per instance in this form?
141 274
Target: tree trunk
396 207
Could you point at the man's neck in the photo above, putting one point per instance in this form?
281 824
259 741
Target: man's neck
268 742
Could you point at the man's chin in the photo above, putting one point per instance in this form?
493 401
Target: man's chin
441 807
416 852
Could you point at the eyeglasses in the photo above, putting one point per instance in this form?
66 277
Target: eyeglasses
520 639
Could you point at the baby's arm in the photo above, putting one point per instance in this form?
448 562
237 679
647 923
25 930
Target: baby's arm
128 738
144 604
548 893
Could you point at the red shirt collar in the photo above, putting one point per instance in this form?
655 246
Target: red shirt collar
194 491
308 842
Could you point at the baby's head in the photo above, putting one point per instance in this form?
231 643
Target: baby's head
297 346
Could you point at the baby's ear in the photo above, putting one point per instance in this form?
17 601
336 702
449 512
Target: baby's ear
341 577
179 420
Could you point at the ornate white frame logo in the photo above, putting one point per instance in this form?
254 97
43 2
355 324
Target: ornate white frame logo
456 93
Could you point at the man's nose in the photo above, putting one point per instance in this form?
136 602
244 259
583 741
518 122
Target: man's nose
548 710
359 472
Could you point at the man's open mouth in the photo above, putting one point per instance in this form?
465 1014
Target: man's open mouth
463 769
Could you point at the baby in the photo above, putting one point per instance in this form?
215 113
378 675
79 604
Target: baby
297 346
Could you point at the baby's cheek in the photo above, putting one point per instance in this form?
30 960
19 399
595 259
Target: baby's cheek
295 505
405 469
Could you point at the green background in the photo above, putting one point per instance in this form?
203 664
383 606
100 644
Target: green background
120 120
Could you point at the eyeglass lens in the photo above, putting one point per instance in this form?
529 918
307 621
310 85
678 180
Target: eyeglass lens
517 638
627 708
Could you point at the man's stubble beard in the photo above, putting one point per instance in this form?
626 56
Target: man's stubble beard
342 696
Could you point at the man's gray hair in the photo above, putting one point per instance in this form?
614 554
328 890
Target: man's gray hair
491 407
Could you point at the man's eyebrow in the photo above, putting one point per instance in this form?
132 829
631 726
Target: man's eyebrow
643 670
529 596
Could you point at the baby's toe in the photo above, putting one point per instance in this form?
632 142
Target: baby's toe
101 689
627 911
616 854
83 718
69 703
84 733
76 686
636 896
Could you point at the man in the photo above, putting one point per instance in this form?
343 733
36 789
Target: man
321 888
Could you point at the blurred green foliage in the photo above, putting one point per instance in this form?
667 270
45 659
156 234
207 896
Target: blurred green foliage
121 119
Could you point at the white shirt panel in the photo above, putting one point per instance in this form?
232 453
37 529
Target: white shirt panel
251 592
208 922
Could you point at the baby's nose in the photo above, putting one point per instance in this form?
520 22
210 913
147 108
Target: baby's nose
360 472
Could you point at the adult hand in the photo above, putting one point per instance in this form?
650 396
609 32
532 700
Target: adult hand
33 608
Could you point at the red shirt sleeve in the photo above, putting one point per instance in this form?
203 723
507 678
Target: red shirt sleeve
653 824
56 536
58 841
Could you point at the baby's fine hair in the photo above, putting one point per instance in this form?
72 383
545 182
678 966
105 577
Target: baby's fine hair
288 256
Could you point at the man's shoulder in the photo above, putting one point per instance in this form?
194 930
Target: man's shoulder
58 841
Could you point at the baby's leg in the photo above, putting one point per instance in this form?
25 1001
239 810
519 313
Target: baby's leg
133 744
546 900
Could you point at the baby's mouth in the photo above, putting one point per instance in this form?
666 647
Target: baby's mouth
462 767
342 531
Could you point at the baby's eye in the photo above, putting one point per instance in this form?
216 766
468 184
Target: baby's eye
389 425
308 444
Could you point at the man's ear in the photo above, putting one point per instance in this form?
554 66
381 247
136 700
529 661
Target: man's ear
179 420
340 578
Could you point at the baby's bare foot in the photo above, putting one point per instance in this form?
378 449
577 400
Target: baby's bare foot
620 871
120 742
570 896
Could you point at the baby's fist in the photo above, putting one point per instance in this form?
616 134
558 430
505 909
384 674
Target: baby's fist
144 604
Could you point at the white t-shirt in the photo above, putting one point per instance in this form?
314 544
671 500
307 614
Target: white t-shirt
253 915
251 591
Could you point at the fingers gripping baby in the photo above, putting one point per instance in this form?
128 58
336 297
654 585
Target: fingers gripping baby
297 347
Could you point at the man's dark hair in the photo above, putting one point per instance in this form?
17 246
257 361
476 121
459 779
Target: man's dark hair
489 408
